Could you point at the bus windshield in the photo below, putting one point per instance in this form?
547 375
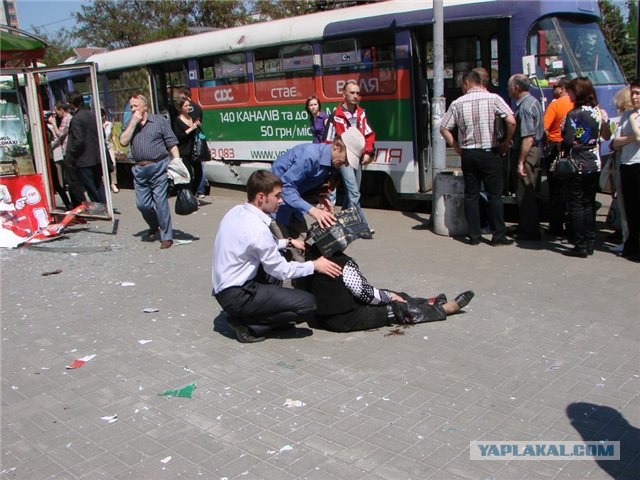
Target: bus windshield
572 48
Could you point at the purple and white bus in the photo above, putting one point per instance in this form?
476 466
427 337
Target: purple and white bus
252 81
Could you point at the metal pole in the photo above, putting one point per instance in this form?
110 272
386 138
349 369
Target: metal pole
439 104
447 204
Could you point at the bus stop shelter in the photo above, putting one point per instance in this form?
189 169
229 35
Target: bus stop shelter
28 203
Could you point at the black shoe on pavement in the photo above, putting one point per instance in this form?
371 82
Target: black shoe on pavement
555 232
150 236
243 334
577 252
473 241
464 298
367 235
501 242
528 237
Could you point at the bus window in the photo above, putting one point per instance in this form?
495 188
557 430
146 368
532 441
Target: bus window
460 55
168 79
572 48
121 86
494 76
369 59
338 53
284 73
297 58
267 63
223 80
223 70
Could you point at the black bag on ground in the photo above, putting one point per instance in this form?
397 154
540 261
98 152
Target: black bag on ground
186 202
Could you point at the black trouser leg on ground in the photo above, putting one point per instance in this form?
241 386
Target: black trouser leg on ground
363 317
581 197
630 182
269 305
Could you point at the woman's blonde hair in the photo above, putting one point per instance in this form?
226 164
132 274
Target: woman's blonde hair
622 99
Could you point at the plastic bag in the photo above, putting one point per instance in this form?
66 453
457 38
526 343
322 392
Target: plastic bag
186 202
201 152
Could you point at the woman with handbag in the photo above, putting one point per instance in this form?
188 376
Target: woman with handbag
584 128
186 130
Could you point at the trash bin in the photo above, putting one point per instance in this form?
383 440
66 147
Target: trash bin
448 205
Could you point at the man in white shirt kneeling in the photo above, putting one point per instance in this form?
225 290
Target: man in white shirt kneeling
248 269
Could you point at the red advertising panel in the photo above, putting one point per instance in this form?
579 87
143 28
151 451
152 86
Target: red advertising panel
23 208
374 83
279 90
223 95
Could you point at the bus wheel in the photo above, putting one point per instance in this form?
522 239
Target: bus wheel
402 204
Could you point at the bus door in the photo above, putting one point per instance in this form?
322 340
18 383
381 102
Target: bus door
467 44
422 111
166 80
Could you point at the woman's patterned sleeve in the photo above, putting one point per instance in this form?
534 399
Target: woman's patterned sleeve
360 288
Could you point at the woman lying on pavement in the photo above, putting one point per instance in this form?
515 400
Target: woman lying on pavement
348 303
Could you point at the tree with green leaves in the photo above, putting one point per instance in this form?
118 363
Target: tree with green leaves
264 10
59 45
632 29
217 13
117 24
617 36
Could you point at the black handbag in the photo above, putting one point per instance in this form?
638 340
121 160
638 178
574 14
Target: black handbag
499 128
201 152
564 168
186 202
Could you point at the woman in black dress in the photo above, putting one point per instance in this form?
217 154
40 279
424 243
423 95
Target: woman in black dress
186 129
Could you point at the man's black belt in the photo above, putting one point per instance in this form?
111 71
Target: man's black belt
494 149
144 163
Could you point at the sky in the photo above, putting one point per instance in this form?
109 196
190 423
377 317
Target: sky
48 14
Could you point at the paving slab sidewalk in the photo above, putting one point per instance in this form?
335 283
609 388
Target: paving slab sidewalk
547 351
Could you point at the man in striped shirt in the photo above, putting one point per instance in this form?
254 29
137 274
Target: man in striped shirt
473 114
153 144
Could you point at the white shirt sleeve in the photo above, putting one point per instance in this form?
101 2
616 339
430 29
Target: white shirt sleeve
274 263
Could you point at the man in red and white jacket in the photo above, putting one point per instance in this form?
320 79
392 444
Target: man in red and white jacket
347 115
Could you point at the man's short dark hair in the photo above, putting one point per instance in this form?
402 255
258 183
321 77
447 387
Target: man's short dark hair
76 99
472 77
261 181
634 83
562 83
347 83
484 76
